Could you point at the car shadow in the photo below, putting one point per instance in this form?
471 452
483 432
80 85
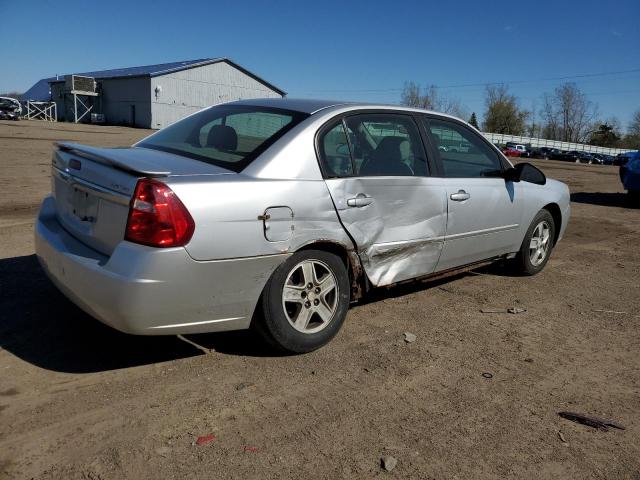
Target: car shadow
605 199
39 325
496 269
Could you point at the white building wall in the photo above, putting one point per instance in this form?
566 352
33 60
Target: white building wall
185 92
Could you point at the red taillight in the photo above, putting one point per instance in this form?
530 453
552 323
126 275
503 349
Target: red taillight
157 217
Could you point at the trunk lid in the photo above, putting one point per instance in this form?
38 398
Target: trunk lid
93 186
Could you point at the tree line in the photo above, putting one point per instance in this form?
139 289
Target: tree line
566 114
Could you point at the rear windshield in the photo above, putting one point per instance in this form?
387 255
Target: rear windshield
229 136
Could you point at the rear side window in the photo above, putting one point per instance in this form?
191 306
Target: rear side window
229 136
386 145
371 145
335 152
463 154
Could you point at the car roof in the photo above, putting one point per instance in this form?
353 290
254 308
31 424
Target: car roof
312 106
304 105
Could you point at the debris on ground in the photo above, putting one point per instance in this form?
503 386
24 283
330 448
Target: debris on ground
203 440
610 311
594 422
409 337
516 310
528 360
487 375
388 463
249 448
561 436
493 310
512 310
197 345
243 385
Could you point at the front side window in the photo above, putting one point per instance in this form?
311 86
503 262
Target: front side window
463 154
229 136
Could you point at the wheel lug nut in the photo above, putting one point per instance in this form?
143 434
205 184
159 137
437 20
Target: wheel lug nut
310 286
303 294
307 304
317 290
316 302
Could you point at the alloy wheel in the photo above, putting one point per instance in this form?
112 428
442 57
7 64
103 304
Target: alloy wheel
310 296
540 242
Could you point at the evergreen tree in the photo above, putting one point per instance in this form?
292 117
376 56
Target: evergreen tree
473 120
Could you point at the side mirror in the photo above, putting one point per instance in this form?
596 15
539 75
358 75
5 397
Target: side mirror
511 174
525 172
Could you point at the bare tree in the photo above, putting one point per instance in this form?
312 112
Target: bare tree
533 129
413 95
634 125
567 114
503 115
632 138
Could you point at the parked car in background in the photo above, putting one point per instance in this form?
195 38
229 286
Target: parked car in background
543 152
567 156
582 157
551 153
603 158
275 214
522 149
512 152
10 109
630 174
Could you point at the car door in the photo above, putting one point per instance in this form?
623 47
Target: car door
377 173
484 210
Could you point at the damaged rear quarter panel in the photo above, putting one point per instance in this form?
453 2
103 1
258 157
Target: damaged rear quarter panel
229 215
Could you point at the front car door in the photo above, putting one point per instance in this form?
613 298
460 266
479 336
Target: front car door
484 210
378 175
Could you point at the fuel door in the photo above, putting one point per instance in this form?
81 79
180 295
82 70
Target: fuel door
278 224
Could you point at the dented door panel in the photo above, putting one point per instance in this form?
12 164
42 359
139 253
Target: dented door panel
399 231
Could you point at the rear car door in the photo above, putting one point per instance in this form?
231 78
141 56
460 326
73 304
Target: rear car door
378 175
484 210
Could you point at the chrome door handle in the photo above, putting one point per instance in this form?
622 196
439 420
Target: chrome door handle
461 196
360 200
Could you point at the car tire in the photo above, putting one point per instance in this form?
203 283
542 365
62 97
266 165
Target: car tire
305 302
530 260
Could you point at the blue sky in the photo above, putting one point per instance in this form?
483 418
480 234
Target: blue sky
350 49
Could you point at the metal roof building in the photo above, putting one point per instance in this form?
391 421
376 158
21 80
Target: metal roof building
153 96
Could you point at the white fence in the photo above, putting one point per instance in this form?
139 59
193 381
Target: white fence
543 142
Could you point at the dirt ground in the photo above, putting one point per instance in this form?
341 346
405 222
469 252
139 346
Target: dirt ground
79 400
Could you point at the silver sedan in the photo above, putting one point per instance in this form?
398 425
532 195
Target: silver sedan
276 214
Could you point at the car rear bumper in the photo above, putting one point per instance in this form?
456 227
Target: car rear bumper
151 291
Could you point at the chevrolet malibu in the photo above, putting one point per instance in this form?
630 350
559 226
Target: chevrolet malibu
275 214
